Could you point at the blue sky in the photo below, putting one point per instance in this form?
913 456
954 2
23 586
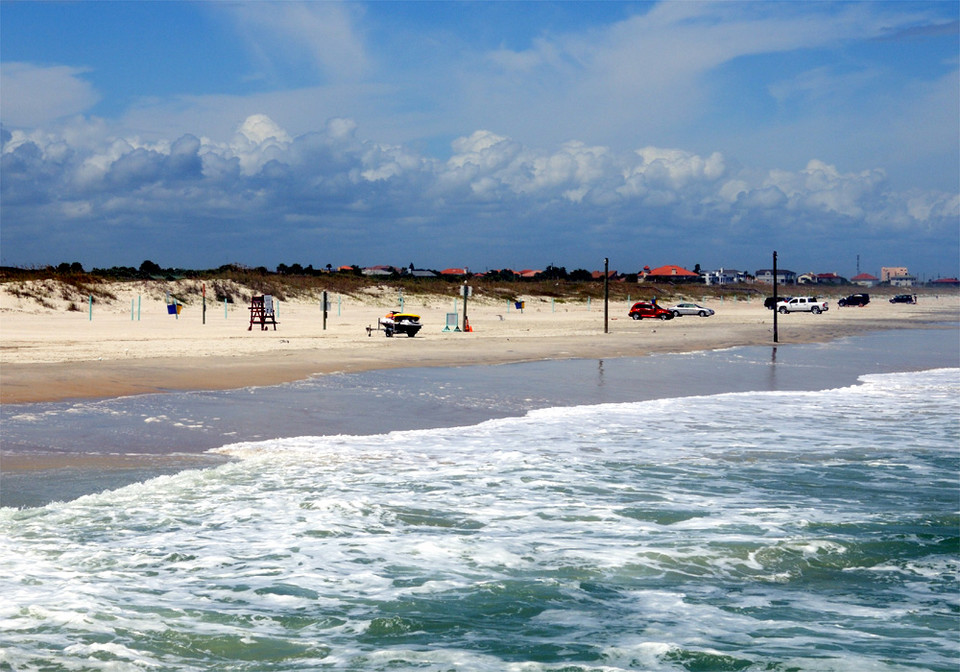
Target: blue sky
487 135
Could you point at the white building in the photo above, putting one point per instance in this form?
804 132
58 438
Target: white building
784 277
889 272
724 276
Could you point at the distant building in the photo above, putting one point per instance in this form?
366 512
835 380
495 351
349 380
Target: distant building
865 280
945 282
598 275
379 270
903 281
453 271
725 276
784 277
888 272
669 273
821 279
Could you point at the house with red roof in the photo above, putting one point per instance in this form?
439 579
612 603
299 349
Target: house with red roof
945 282
865 280
669 273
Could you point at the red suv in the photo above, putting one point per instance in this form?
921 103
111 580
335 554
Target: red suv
642 309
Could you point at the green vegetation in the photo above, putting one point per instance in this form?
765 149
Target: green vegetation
236 283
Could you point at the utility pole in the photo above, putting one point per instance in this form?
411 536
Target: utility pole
606 294
325 306
776 338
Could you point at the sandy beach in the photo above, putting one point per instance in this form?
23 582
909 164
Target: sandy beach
131 345
220 382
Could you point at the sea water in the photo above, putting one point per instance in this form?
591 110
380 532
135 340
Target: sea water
759 530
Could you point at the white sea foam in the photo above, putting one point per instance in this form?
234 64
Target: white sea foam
751 526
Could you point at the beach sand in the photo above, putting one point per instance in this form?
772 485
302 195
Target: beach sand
133 346
81 414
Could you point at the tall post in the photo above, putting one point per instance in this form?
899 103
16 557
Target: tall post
776 336
324 299
203 288
606 294
465 292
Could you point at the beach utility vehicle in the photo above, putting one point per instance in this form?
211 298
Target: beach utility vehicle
642 309
800 304
854 300
400 323
690 309
904 298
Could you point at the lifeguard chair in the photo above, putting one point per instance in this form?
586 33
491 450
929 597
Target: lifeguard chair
262 312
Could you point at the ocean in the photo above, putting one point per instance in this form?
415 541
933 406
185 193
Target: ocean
808 518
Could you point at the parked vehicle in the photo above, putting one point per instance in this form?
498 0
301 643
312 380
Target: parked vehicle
690 309
642 309
800 304
770 303
400 323
854 300
904 298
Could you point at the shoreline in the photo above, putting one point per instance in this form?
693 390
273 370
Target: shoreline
191 359
59 451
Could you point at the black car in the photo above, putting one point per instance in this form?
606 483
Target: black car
854 300
904 298
770 303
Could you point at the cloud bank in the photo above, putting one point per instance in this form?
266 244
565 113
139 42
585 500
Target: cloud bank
267 196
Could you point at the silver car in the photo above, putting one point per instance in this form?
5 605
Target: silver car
690 309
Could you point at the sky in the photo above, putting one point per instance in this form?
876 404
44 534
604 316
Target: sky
483 135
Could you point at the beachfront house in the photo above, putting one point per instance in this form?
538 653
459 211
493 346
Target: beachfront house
888 272
376 271
784 277
725 276
669 273
420 273
821 279
945 283
865 280
903 281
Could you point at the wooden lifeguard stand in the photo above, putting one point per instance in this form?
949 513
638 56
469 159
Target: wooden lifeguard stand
262 312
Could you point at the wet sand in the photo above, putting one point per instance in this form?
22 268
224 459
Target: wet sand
62 450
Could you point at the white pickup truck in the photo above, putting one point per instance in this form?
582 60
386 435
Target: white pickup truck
802 303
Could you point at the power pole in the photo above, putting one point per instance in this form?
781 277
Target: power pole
776 338
606 294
